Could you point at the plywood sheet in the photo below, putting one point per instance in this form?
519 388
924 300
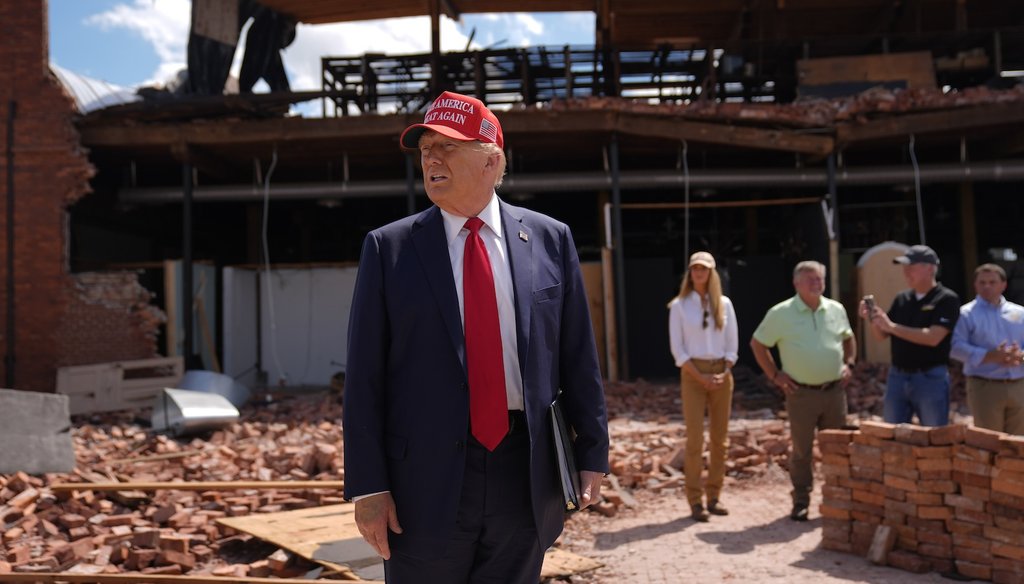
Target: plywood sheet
915 68
328 535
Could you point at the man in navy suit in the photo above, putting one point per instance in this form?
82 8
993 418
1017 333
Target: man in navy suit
444 495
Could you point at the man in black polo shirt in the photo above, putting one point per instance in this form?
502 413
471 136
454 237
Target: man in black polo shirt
919 324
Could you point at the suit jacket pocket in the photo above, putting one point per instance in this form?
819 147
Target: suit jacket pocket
395 446
547 294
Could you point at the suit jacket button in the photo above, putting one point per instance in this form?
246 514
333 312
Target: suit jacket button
459 444
465 387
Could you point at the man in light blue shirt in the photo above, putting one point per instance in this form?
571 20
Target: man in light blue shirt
988 339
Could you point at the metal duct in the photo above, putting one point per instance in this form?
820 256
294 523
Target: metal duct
997 171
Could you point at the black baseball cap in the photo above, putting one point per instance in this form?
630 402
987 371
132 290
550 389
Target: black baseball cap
918 254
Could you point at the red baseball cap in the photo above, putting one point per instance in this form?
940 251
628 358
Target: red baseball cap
456 116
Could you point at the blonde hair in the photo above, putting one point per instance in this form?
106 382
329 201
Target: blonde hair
715 306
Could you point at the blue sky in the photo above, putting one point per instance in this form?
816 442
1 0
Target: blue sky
138 42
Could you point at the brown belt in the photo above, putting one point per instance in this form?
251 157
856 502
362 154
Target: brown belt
989 380
821 387
708 361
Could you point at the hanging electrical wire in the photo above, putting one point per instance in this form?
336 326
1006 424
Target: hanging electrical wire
917 191
282 375
686 199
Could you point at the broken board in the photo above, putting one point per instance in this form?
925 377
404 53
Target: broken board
328 535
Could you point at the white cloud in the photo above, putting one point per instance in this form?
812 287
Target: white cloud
528 22
164 24
397 36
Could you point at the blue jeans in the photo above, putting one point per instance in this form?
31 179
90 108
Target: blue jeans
925 393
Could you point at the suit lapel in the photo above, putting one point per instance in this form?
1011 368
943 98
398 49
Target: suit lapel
432 248
519 242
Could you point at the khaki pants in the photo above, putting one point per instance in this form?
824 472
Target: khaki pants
810 409
997 405
718 403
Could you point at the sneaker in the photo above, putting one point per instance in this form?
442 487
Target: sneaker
699 514
799 512
716 508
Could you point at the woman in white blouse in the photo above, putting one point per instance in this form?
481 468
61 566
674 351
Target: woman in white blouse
702 330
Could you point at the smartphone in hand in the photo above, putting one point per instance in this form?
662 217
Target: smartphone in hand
869 302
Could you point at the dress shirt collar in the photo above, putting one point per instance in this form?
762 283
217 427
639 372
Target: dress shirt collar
802 306
490 215
996 306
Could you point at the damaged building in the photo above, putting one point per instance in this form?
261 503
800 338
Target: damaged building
218 227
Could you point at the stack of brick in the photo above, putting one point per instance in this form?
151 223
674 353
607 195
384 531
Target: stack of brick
951 497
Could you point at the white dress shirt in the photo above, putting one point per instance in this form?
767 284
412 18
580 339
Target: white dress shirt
497 252
691 340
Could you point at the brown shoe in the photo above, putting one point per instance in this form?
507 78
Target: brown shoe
716 508
699 514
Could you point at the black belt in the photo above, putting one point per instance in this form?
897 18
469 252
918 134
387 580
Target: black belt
980 378
918 369
821 387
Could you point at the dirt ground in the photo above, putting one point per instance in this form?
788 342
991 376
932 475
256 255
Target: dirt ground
658 543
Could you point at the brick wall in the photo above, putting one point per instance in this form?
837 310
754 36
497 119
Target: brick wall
950 498
51 171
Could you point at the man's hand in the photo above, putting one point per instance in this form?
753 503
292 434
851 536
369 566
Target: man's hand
881 321
846 375
590 483
1004 355
374 515
784 382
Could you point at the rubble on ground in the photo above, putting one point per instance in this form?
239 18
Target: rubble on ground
804 113
300 439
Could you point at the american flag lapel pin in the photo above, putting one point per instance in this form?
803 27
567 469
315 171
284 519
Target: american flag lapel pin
523 235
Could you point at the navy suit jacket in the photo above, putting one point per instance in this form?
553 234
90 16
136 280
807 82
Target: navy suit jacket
406 404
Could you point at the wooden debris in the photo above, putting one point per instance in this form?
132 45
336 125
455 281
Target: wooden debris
881 545
198 486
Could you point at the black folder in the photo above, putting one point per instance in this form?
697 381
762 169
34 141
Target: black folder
566 459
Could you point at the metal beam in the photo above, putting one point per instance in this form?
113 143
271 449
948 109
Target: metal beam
996 171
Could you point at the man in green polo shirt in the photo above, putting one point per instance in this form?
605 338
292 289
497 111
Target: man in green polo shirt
818 349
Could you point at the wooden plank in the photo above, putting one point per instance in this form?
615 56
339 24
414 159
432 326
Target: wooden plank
513 122
327 535
136 578
244 131
156 457
881 544
559 563
725 134
172 279
197 486
320 12
593 283
948 121
915 68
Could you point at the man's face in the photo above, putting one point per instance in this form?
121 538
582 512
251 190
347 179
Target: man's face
457 175
809 283
989 286
918 274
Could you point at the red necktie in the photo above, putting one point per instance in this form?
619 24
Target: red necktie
488 404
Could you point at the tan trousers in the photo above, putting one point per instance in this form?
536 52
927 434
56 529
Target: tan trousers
718 403
997 405
810 409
